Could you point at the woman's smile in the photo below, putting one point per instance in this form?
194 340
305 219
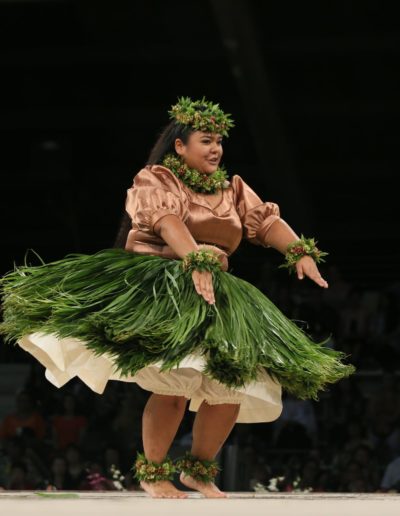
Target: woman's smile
203 151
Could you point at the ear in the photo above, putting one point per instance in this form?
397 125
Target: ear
179 146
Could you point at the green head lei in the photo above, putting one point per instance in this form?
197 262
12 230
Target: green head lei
201 115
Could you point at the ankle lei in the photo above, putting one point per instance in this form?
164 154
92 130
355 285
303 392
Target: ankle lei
150 471
203 470
198 182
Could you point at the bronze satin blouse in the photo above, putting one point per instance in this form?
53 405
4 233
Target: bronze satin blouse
157 192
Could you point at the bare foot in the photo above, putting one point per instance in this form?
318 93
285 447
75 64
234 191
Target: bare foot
208 489
162 489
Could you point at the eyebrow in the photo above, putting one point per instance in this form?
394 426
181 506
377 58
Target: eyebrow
210 135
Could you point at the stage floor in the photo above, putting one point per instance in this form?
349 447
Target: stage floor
63 503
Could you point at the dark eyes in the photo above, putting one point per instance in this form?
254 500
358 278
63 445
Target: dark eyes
207 141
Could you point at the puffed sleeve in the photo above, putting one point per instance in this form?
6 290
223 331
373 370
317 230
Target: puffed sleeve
155 193
257 216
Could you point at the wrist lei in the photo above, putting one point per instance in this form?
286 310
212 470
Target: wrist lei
303 247
203 470
195 180
202 260
151 471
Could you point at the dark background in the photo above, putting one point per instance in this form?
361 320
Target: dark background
313 88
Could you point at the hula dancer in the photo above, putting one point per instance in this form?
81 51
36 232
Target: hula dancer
161 309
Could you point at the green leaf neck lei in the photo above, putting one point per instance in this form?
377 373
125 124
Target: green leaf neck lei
195 180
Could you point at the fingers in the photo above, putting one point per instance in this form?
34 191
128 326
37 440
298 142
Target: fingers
310 270
319 280
274 208
203 285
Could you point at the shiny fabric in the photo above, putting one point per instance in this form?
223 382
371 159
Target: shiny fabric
157 192
64 359
240 213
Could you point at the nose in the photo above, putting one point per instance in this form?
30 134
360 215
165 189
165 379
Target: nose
215 147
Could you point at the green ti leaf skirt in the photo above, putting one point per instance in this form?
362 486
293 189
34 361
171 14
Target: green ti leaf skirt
142 309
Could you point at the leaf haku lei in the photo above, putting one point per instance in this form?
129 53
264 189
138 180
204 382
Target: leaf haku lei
298 249
201 115
195 180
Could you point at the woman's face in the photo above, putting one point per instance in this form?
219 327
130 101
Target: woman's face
203 151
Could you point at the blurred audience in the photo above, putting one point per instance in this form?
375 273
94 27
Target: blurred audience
391 476
25 415
68 427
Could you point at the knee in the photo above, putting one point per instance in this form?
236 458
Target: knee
178 402
226 407
174 402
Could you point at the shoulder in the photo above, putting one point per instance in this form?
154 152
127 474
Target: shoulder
236 180
157 176
238 185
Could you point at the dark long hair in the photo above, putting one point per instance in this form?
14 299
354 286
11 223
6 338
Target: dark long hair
164 144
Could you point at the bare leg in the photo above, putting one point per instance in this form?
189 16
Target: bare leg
162 416
211 428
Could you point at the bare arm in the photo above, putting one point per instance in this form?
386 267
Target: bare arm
279 235
176 234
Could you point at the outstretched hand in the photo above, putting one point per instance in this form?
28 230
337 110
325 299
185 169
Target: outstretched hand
306 266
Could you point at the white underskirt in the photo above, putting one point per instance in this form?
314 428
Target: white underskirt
66 358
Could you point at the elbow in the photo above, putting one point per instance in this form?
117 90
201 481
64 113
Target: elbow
262 232
278 235
165 224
